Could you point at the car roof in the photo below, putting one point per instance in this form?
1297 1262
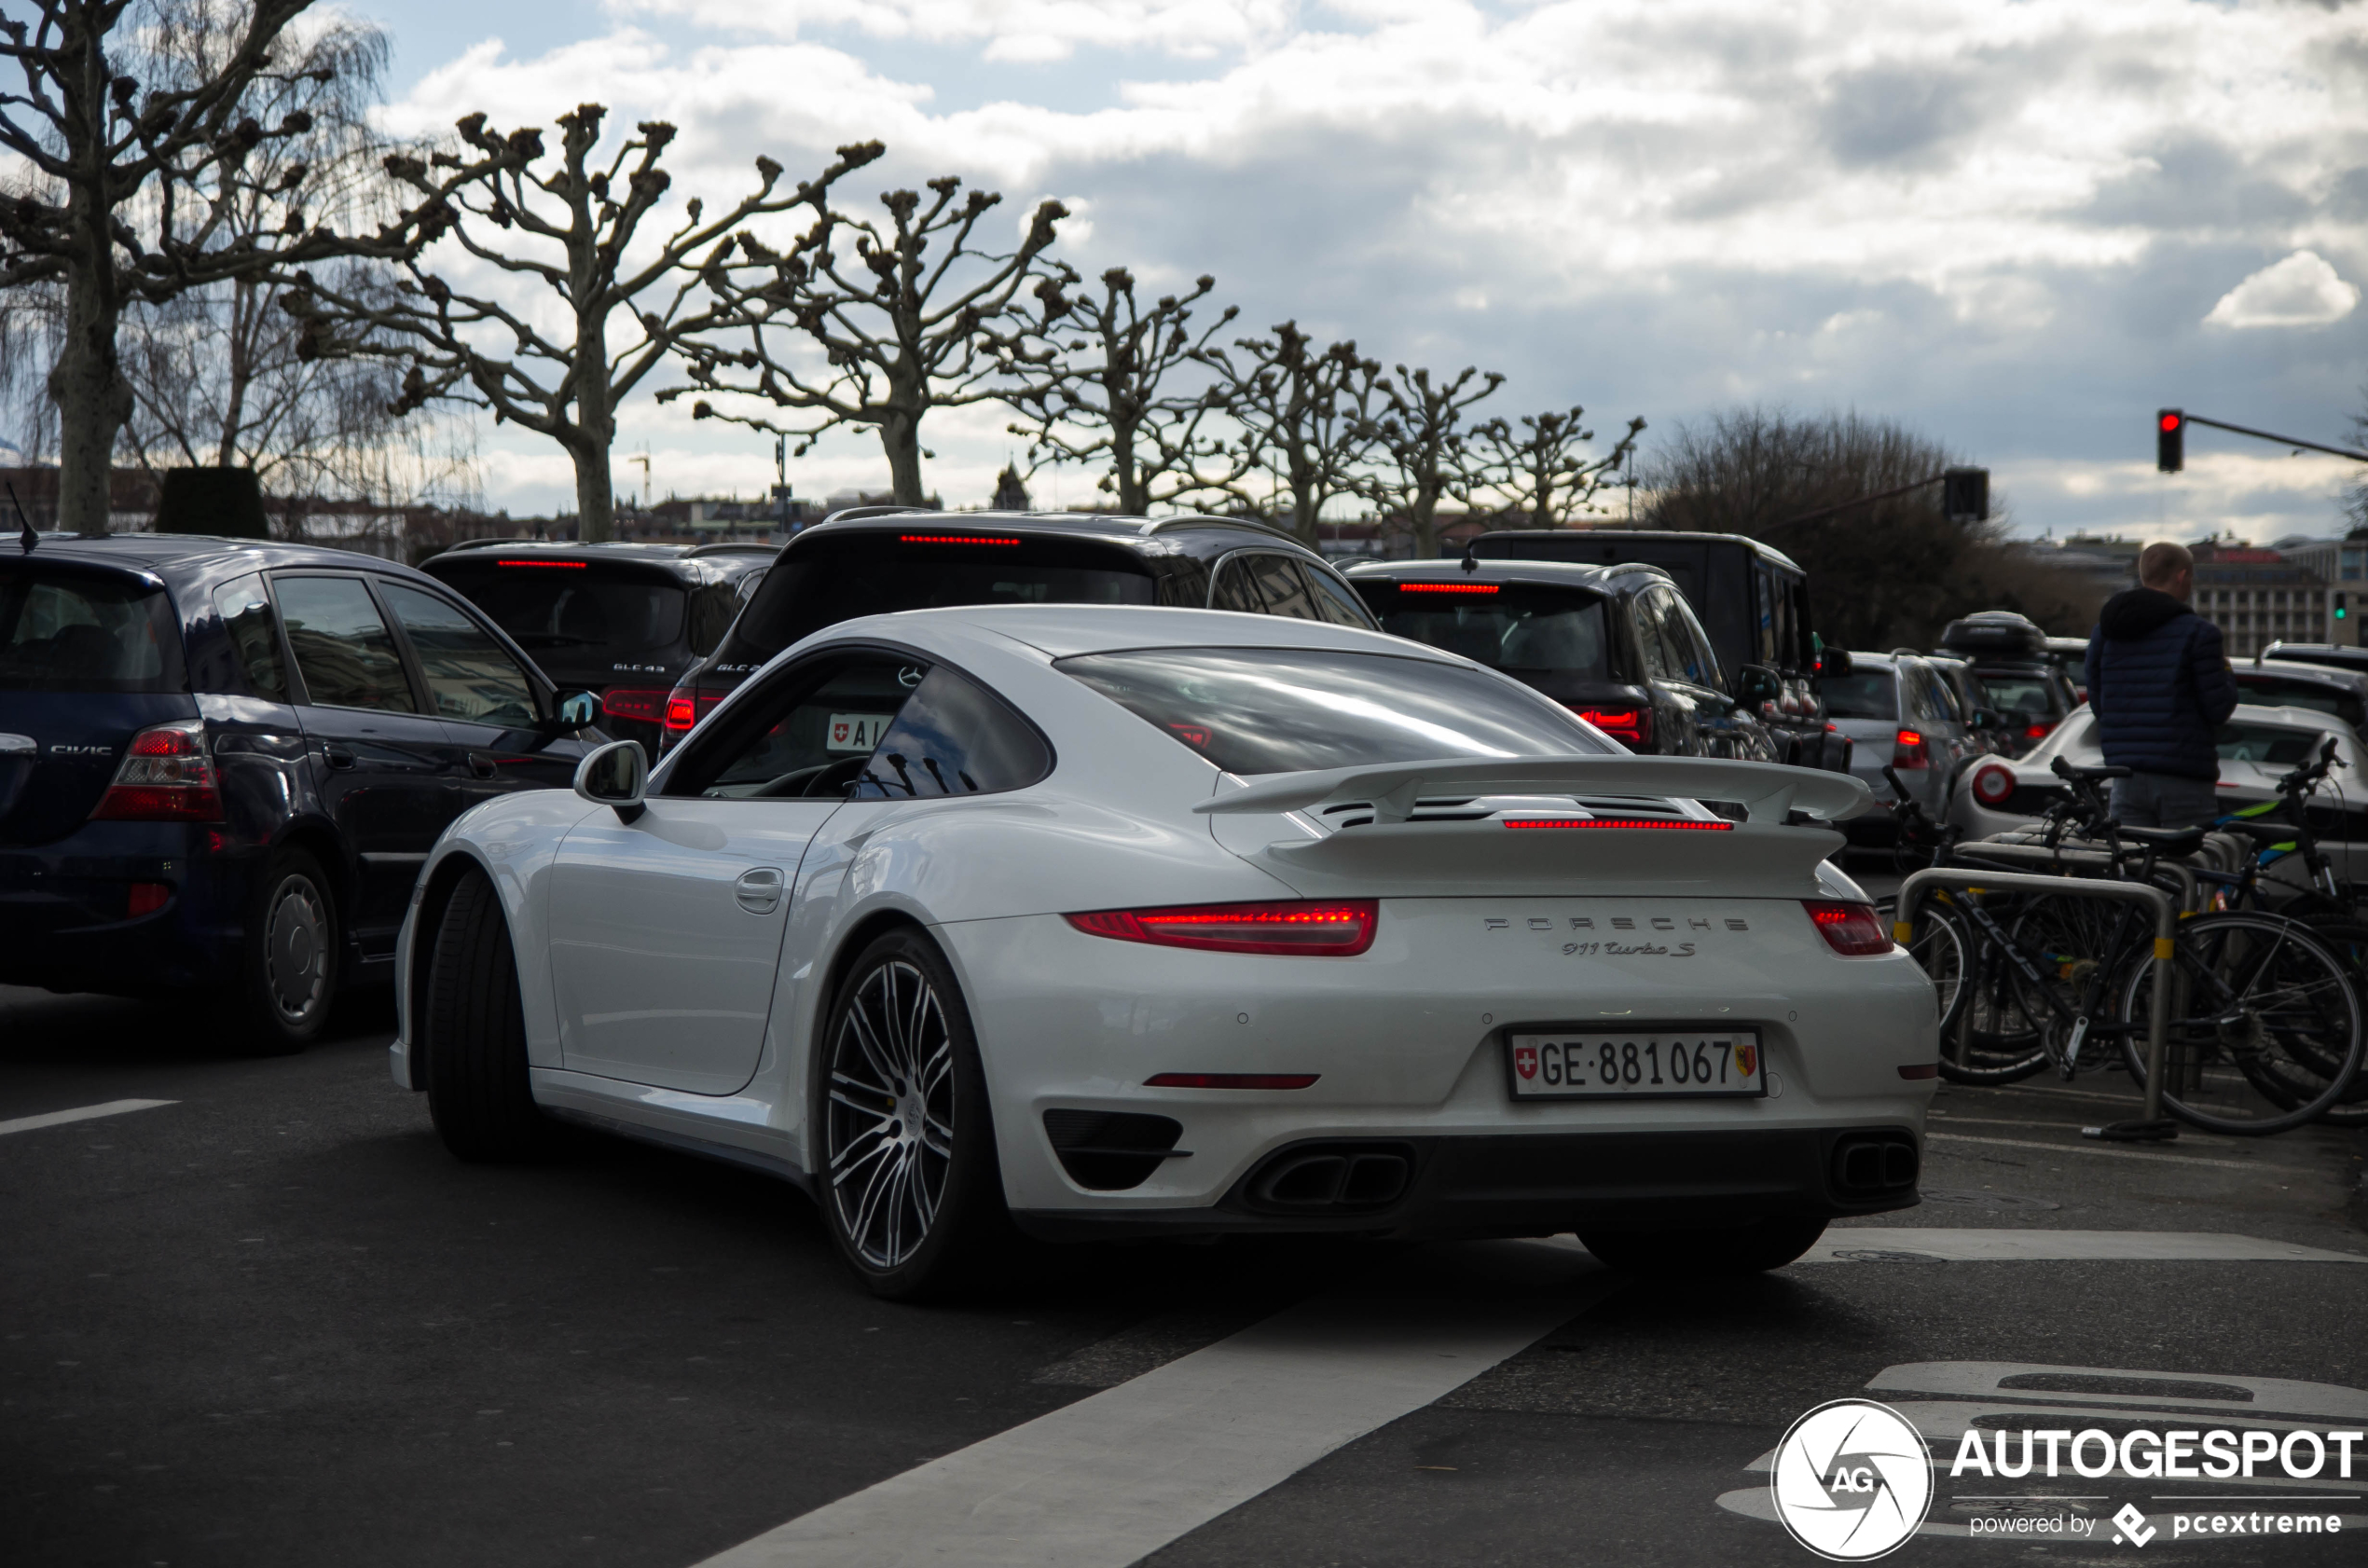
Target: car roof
1061 630
179 552
1766 551
695 562
1561 574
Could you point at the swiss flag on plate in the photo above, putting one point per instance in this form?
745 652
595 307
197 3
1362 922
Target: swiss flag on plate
838 732
1525 1060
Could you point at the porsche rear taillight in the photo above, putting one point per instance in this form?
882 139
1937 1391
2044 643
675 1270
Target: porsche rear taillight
2038 729
1850 929
1907 750
1308 928
166 775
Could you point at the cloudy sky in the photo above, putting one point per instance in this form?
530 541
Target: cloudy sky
2020 227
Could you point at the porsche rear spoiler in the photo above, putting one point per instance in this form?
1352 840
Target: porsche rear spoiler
1768 792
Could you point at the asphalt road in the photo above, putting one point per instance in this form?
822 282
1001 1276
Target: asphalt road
271 1323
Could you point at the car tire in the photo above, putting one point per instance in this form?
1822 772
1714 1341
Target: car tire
905 1168
287 979
1739 1249
472 1027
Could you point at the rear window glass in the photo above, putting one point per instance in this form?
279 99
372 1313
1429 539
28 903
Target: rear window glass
1503 626
2021 694
2276 744
2269 690
876 574
64 631
1253 710
1863 694
560 604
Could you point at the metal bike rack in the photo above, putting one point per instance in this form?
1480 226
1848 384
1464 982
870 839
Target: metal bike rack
2152 1126
2041 855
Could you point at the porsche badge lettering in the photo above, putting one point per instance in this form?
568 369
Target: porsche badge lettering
1618 923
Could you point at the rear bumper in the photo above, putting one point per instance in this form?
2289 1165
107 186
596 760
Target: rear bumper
1546 1184
62 912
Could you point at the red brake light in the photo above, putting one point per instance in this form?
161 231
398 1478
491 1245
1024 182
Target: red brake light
560 566
626 702
1993 785
1339 929
685 705
166 775
1850 929
2037 729
1447 587
1663 824
953 539
146 898
1907 750
1632 725
1193 735
1229 1080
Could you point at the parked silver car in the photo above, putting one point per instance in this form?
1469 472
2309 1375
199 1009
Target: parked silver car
1903 714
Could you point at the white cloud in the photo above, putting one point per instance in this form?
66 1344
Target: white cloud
2303 290
1012 31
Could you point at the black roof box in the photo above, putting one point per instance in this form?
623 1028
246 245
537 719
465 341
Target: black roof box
1997 633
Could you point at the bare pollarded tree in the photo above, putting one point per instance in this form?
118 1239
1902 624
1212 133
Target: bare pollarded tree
866 323
572 227
1424 446
1537 464
1094 380
215 372
145 167
1305 413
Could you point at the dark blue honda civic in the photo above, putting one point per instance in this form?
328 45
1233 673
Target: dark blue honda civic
223 760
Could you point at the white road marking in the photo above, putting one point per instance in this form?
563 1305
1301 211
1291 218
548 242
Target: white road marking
2063 1247
80 1113
1118 1475
2109 1153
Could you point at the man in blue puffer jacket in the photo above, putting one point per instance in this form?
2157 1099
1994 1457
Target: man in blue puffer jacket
2159 686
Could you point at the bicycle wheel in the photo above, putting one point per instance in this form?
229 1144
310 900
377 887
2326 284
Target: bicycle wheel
1939 945
2001 1030
2302 1083
2255 1000
2070 938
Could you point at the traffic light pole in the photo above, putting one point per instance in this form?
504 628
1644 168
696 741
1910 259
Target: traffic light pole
2185 418
1974 481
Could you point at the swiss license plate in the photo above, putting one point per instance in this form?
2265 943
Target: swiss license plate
856 732
1635 1063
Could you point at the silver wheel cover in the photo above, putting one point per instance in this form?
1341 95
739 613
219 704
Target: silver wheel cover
296 950
888 1125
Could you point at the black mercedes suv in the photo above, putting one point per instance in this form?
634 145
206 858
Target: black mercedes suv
624 622
874 560
221 762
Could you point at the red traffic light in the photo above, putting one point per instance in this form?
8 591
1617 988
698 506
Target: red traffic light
2171 439
2173 421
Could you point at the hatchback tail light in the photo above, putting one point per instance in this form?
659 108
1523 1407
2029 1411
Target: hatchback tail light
1993 786
2037 729
1907 750
637 703
1850 929
146 898
1630 727
1333 928
166 776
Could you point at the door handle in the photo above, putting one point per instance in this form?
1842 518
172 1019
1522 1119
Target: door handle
337 756
759 889
482 765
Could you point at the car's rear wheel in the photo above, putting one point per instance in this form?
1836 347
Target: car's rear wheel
1737 1250
906 1171
472 1027
287 979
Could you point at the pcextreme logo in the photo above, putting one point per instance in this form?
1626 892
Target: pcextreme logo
1852 1480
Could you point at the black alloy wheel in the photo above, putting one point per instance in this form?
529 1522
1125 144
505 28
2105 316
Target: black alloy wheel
908 1180
288 963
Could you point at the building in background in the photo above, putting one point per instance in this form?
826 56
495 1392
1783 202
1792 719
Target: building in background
2258 597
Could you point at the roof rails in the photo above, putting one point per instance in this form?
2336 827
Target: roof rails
1184 519
500 544
733 547
845 513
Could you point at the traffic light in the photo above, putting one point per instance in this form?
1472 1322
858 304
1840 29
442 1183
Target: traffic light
2342 613
2170 440
1964 495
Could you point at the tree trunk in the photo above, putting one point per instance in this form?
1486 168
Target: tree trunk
1133 501
901 439
1424 514
594 502
93 397
596 417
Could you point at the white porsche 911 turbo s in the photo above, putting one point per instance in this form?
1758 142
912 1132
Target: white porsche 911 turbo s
1126 922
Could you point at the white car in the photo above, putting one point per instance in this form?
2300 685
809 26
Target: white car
1109 922
2258 745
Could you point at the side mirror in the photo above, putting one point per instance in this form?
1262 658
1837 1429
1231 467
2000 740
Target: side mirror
1985 720
578 710
1834 661
1756 684
614 776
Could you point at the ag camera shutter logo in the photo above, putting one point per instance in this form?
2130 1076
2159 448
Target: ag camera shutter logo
1852 1480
